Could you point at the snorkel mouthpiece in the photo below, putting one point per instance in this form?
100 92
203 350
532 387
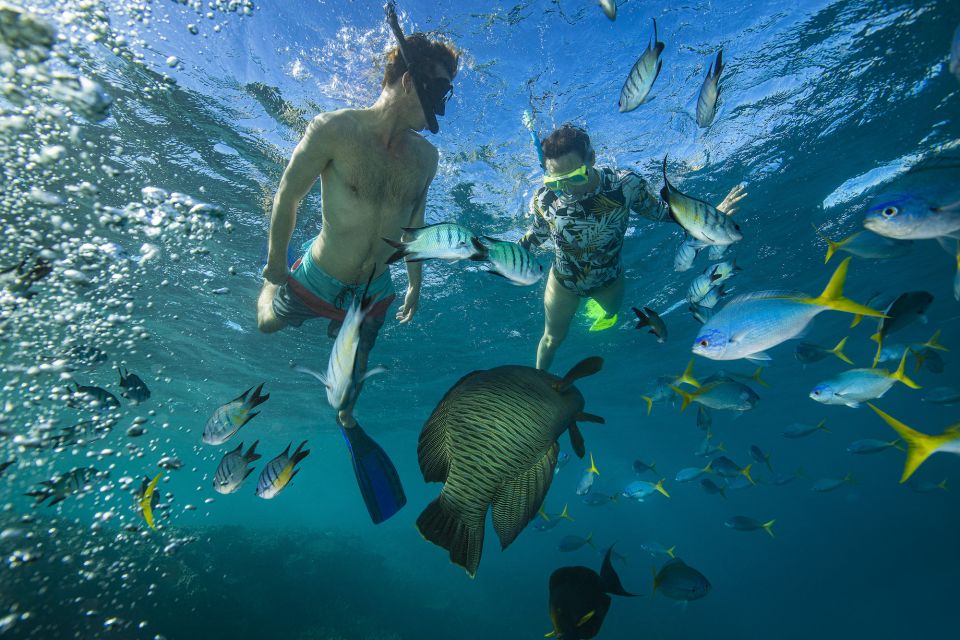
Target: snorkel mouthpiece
426 104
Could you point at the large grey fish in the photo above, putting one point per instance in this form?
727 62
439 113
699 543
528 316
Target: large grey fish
442 241
278 473
492 440
645 70
679 581
509 260
233 470
709 92
702 221
228 418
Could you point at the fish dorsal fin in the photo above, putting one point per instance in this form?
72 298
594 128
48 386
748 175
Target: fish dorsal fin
433 448
609 579
582 369
517 501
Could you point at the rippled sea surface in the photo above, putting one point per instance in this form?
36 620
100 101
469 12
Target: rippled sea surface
141 144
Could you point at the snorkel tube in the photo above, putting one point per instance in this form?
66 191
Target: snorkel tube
425 104
528 123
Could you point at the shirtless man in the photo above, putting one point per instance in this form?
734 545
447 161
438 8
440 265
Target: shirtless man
374 171
584 210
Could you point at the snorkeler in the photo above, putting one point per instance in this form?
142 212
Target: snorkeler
374 170
585 210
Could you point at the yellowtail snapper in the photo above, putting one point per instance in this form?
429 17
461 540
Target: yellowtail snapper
689 474
921 446
709 92
727 468
759 456
745 523
913 216
712 487
278 473
824 485
580 599
640 489
233 469
645 70
586 480
701 220
720 393
572 543
872 445
750 324
492 440
509 260
807 352
679 581
798 430
852 387
906 308
441 241
866 244
230 417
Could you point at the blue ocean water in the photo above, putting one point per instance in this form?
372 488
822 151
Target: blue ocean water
824 104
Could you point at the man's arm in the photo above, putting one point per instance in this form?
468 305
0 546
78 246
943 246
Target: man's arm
539 230
415 269
309 159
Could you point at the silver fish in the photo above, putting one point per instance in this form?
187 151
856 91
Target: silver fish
230 417
745 523
687 253
854 386
492 439
645 70
709 92
441 241
233 470
640 489
866 244
278 473
133 387
702 221
509 260
831 484
913 216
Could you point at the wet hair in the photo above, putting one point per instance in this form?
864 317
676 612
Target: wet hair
568 138
426 53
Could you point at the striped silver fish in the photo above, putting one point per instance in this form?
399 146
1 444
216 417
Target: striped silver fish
686 253
442 241
228 418
280 471
701 220
709 92
492 440
233 470
509 260
645 70
61 486
699 288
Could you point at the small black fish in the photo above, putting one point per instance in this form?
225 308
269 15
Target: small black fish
134 388
19 278
94 398
651 319
579 600
5 465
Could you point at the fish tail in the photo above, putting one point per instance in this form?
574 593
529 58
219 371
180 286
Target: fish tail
441 525
251 455
642 319
256 399
758 377
687 376
838 351
147 498
565 515
856 320
687 397
400 253
933 342
481 249
768 527
593 467
745 472
900 375
589 541
920 446
832 246
822 426
659 487
543 514
649 402
942 484
299 455
672 551
833 298
718 66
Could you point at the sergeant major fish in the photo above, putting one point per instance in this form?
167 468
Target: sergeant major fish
442 241
509 260
61 486
645 70
709 92
278 473
230 417
233 469
702 221
133 387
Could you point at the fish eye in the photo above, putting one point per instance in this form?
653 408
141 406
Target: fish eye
890 211
704 343
816 392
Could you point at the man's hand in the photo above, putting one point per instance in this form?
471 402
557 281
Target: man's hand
276 273
728 206
409 306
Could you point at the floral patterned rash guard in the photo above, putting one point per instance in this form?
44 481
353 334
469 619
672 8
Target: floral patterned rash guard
588 233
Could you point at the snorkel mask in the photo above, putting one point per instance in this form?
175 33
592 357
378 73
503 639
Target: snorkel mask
577 177
433 93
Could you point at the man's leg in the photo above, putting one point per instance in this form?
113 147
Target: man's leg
610 297
559 306
267 320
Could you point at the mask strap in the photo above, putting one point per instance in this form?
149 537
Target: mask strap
425 104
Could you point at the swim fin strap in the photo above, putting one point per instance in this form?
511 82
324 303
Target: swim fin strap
376 476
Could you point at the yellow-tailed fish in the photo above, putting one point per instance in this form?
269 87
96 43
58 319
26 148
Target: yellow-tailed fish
921 446
146 504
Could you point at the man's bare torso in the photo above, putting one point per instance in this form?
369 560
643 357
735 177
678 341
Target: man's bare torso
369 192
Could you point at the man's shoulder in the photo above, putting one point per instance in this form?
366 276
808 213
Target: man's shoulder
339 120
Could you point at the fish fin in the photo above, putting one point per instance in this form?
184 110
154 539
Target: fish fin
838 351
552 634
593 466
586 618
494 272
687 376
832 296
373 372
249 471
146 499
642 320
933 342
242 396
399 254
376 476
687 397
516 502
943 484
745 472
433 450
900 375
659 487
649 402
920 446
443 526
565 515
310 372
299 455
576 440
251 455
589 417
822 426
768 527
856 320
582 369
672 551
589 540
759 356
481 248
609 579
256 399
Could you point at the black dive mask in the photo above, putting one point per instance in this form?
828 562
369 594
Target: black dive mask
433 93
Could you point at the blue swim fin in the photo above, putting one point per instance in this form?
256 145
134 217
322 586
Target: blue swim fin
376 476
